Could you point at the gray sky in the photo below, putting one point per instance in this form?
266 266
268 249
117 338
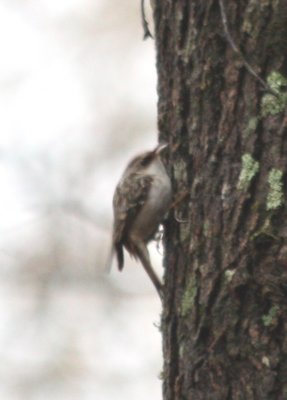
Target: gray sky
77 99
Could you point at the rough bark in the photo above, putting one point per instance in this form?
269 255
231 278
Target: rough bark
224 318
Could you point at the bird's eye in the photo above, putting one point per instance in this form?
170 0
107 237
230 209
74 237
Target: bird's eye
146 160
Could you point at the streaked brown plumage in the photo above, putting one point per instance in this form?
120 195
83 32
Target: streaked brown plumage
141 199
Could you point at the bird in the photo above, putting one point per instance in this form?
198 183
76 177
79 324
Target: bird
140 202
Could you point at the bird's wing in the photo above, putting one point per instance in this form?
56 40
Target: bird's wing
130 195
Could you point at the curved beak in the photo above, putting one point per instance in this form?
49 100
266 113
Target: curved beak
160 147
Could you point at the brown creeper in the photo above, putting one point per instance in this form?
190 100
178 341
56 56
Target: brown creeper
141 199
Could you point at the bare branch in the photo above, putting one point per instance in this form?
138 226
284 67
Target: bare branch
147 32
230 40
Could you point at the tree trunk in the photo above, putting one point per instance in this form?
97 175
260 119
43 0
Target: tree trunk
224 318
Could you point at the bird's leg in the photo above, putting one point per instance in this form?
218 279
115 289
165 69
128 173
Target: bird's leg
181 196
143 255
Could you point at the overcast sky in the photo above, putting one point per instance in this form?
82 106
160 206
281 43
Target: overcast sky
77 100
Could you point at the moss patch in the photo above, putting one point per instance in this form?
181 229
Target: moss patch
269 318
249 169
228 274
189 296
275 80
272 105
275 197
251 126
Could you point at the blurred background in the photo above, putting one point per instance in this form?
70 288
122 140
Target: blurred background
77 100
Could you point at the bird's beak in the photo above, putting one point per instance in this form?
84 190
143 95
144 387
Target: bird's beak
160 148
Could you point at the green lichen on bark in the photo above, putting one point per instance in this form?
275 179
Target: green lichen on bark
275 197
272 105
189 296
251 126
269 319
249 169
228 274
180 172
206 229
251 13
275 80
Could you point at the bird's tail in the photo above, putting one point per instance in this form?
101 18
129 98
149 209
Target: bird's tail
120 255
118 249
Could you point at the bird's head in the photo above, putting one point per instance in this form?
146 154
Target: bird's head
144 160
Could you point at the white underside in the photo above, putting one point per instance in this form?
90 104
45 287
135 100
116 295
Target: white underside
157 204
